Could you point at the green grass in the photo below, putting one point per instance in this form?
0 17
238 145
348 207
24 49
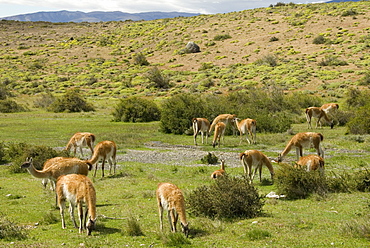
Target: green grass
129 196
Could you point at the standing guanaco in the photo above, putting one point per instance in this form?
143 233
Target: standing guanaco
104 150
200 125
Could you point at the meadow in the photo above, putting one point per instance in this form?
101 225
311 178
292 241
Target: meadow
318 50
129 196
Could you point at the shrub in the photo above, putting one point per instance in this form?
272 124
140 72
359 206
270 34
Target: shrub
221 37
133 227
10 106
158 79
177 112
360 124
365 80
71 101
140 59
319 40
270 60
332 61
357 228
362 179
18 153
210 158
2 151
44 101
226 198
272 39
136 109
296 183
11 231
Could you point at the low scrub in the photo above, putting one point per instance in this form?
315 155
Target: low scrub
71 101
11 231
226 198
136 109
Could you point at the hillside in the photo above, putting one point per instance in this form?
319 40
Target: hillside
95 16
253 48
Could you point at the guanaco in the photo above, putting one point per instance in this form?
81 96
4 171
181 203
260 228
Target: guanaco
312 162
225 118
81 140
219 173
48 163
78 190
104 150
57 167
303 140
219 132
255 158
246 126
171 199
200 125
319 114
330 108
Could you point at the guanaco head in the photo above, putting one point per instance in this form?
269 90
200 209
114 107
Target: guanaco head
27 163
331 125
280 158
185 229
90 225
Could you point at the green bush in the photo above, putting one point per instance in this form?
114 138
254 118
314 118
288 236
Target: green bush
2 151
140 59
157 78
133 227
11 231
10 106
362 179
331 60
270 60
71 101
210 158
136 109
17 153
178 111
319 40
360 124
221 37
365 80
44 101
297 183
226 198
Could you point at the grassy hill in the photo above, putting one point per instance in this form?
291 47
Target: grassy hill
259 47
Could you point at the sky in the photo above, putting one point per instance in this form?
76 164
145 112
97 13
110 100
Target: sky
16 7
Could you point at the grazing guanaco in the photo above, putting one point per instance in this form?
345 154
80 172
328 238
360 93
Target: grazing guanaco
303 140
219 173
312 162
78 190
319 114
330 108
104 150
255 158
171 199
57 167
219 132
246 126
200 125
225 118
81 140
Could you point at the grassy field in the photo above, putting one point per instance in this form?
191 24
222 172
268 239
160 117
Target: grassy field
313 222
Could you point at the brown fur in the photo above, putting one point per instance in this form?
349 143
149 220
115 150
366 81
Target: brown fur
311 162
200 125
219 132
251 158
319 114
330 108
219 173
79 191
303 140
246 126
225 118
80 140
104 150
171 199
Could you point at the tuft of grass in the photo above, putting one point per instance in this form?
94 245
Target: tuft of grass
357 228
175 239
49 218
257 234
10 230
133 227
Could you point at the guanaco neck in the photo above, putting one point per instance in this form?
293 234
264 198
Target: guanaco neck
269 165
91 203
36 173
222 165
286 150
181 212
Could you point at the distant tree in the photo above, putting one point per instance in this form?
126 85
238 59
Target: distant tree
136 109
71 101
